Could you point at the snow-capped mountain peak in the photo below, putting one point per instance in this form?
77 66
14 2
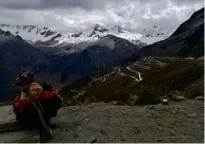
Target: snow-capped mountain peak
30 32
99 28
117 29
155 33
40 34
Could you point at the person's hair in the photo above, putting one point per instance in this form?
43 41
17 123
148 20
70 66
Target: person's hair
35 90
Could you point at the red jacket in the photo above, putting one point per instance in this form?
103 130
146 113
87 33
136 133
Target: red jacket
20 105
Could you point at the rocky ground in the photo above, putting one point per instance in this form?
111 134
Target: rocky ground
104 122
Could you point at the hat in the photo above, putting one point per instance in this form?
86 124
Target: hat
24 79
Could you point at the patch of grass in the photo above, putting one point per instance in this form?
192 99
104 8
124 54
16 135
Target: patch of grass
175 95
195 89
176 123
149 95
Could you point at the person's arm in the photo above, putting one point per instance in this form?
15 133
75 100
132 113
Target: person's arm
19 104
47 94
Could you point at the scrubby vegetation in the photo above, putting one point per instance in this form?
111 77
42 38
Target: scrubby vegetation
176 95
172 81
149 95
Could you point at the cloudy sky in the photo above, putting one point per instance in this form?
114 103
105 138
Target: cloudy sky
78 14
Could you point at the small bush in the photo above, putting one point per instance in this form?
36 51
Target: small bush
176 95
149 95
124 98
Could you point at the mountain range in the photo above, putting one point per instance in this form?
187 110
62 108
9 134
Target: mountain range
70 57
65 62
48 36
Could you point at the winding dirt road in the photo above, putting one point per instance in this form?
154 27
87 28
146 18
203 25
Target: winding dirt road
138 73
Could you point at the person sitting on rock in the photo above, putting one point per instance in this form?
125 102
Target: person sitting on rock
49 98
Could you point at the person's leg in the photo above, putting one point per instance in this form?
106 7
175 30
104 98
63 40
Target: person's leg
51 106
26 119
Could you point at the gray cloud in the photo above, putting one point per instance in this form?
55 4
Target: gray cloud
77 14
49 4
86 4
181 2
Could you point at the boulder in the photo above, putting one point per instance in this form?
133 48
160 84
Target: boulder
200 98
132 100
165 102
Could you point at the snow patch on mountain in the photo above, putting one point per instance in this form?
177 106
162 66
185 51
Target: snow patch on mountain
96 32
30 32
33 33
155 34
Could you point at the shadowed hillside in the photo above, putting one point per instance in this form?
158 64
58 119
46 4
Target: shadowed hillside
186 41
163 74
